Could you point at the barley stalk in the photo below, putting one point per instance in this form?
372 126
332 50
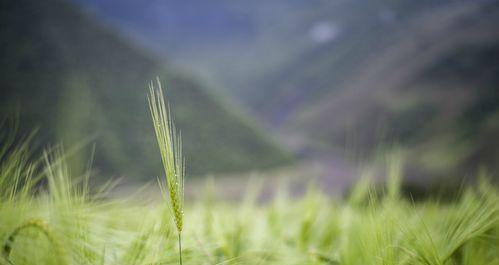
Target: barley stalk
170 148
40 225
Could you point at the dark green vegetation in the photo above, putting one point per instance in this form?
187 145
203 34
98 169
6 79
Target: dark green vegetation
79 82
422 74
49 217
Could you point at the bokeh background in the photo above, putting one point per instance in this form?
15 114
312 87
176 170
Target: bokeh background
306 88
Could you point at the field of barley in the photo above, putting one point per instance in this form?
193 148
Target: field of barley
260 132
49 216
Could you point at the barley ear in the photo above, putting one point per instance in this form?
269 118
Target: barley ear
170 147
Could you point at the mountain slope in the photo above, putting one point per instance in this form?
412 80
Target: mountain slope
433 90
237 43
74 79
330 74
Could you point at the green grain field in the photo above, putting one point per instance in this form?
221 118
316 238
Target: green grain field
50 216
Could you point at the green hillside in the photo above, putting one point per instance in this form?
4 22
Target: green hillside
77 81
376 78
243 45
435 95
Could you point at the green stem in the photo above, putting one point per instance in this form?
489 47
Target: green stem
40 225
180 247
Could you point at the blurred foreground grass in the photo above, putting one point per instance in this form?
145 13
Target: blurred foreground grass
48 216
